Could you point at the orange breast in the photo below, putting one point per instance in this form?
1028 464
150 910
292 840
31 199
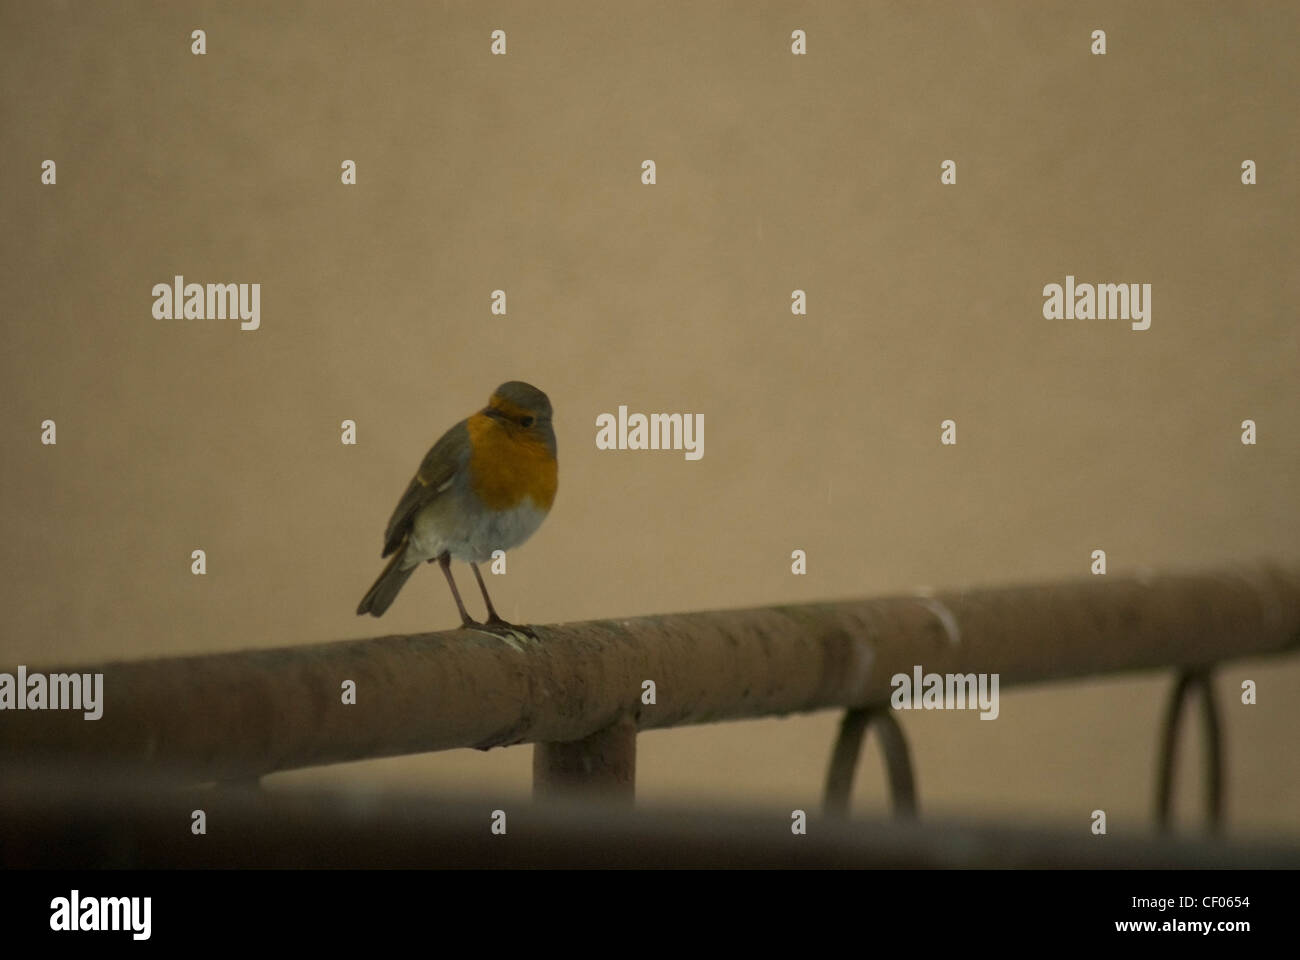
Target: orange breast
508 465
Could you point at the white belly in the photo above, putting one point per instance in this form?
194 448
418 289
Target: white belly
470 536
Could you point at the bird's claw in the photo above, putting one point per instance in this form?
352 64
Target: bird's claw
518 629
510 633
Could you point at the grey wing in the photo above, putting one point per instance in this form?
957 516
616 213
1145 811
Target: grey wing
435 475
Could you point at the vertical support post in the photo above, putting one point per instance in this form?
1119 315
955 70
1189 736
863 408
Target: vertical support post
601 766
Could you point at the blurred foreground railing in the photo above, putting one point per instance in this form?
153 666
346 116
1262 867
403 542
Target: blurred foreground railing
581 691
49 820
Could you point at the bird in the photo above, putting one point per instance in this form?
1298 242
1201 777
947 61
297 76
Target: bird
486 485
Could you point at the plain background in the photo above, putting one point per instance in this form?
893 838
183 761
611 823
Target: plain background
775 172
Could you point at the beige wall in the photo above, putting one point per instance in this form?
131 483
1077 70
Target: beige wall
774 173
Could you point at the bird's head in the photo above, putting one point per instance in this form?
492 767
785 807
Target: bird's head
521 406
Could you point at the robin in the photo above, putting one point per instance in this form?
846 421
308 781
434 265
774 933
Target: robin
486 485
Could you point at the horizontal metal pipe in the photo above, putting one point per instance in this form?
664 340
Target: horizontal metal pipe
249 713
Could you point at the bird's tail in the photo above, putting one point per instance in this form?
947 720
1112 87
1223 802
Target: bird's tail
381 595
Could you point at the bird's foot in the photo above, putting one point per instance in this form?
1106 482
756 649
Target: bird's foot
524 633
507 625
502 630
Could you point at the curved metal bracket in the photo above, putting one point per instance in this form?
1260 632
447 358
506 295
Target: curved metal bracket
1187 680
844 762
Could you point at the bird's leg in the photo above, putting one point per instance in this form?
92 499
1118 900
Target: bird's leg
492 613
444 561
494 618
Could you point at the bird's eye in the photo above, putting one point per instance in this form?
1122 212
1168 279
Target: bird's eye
526 421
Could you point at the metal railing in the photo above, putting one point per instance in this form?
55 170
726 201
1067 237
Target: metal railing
582 691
